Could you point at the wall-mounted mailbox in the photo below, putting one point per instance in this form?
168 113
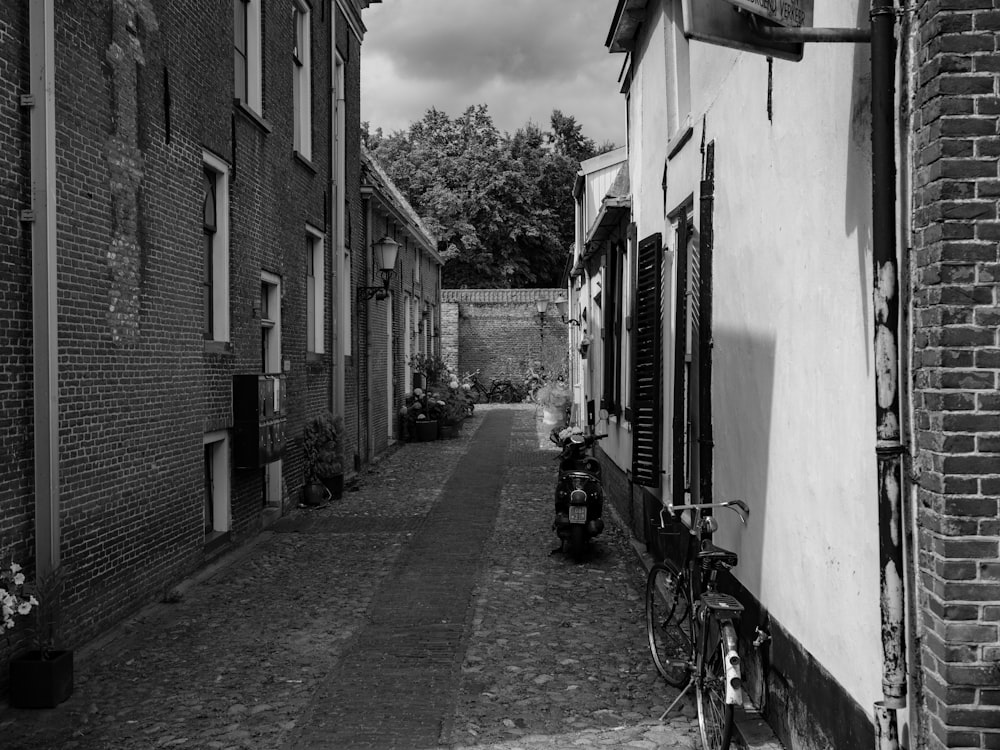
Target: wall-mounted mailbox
258 419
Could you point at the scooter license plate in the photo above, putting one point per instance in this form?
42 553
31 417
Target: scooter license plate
578 514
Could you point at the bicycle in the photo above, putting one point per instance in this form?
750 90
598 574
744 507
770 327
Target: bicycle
692 627
477 391
505 391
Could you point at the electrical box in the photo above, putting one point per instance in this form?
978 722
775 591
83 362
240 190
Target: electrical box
258 419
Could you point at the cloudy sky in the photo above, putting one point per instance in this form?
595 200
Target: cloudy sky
522 58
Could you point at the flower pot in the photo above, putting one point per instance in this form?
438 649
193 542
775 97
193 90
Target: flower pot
41 683
315 494
425 429
335 485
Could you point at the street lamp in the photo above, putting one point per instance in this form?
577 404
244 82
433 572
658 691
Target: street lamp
384 252
563 306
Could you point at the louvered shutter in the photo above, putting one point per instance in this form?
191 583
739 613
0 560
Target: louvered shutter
648 371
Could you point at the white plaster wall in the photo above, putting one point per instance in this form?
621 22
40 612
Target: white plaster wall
793 385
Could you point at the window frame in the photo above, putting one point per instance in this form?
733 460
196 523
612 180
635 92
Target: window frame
219 327
302 78
248 31
216 459
315 286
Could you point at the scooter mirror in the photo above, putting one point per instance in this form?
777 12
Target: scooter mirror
604 415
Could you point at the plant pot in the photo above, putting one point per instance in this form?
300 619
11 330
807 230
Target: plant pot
41 683
425 429
315 494
335 485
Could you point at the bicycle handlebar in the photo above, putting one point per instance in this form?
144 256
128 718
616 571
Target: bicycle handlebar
738 507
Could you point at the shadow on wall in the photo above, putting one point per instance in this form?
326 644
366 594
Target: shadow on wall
742 399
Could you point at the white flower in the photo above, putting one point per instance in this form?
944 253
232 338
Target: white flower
23 608
453 385
418 392
19 579
14 567
466 387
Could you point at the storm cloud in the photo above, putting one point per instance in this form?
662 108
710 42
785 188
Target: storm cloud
522 58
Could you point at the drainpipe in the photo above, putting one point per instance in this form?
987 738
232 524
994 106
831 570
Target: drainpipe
889 446
45 339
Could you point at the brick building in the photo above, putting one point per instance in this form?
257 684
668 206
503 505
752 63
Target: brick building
394 326
180 181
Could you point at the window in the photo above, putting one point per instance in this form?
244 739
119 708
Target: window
302 79
612 327
678 68
215 249
217 516
270 322
314 290
247 48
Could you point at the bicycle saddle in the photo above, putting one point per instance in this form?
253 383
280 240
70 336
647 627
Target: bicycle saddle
712 555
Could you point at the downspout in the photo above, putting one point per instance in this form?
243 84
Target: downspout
706 246
45 338
885 279
889 447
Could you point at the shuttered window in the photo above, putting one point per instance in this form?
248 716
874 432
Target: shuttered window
647 363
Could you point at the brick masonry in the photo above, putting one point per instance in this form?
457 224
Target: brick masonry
500 332
956 361
142 89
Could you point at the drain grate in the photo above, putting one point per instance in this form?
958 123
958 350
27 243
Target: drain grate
304 524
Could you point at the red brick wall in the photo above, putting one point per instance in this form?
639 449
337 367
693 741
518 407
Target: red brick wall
138 386
16 432
500 331
956 359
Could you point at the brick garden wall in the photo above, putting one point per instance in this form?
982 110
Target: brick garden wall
956 361
500 332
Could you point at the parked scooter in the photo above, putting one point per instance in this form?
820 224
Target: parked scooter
579 500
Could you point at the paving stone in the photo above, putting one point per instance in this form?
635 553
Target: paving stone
543 653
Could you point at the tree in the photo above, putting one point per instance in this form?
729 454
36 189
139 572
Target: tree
502 205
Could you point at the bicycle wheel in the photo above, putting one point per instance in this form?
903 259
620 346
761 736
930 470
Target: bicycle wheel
669 622
715 716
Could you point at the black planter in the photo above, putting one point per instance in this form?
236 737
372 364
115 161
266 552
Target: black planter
335 485
315 494
41 683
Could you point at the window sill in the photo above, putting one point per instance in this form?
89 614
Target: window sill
305 162
257 119
218 347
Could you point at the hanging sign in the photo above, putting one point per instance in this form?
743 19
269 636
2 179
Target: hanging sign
793 13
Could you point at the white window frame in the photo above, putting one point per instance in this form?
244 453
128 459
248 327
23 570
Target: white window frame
221 489
302 79
220 247
315 297
254 54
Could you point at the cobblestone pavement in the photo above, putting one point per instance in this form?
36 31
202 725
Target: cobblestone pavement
551 655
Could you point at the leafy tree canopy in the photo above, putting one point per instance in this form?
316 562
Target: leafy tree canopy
501 204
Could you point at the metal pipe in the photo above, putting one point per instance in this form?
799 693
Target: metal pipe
45 335
790 35
886 337
886 735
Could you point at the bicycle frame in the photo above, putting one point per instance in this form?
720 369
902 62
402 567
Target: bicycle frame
715 616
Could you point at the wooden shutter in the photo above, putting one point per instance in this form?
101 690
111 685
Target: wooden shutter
647 370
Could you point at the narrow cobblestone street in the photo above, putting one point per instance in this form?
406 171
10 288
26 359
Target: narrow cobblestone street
422 610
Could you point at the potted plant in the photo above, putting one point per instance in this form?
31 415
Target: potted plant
421 413
427 369
455 409
41 677
323 444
